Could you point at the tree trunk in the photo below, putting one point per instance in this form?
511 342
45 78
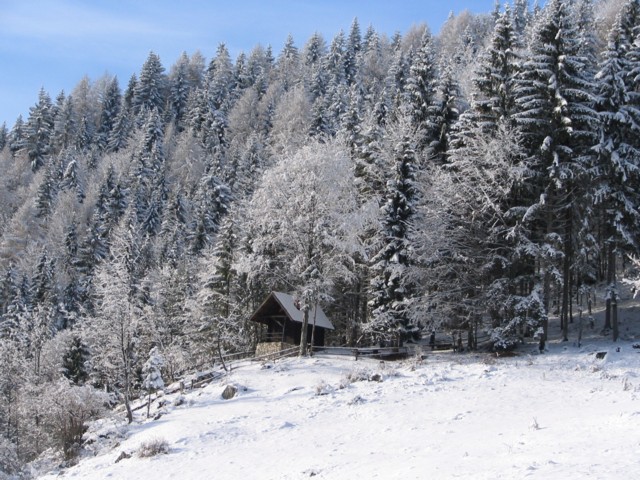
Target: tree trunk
546 294
614 316
303 334
313 327
224 365
125 347
566 273
611 266
127 399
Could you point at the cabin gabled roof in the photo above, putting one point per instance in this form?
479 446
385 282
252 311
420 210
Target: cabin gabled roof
288 304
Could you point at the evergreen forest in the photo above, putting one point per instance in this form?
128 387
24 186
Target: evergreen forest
483 180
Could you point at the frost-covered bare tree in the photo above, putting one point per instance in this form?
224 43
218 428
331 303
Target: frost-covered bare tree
303 222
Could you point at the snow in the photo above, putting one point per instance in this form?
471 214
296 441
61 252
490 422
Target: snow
316 314
562 414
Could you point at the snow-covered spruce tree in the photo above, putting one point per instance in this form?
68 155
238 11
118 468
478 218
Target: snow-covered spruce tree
16 136
629 18
421 89
554 101
210 205
373 63
76 361
220 81
351 121
521 16
370 167
119 134
586 25
148 174
38 130
492 97
444 115
150 90
109 207
352 50
47 191
118 330
396 79
72 178
64 126
110 110
617 167
4 136
302 224
333 62
391 291
152 374
218 306
179 90
486 167
486 280
172 245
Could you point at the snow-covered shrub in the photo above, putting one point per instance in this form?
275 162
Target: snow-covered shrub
68 408
358 375
323 388
518 316
153 447
534 424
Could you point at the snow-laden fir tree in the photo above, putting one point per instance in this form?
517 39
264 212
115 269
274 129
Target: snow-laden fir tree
303 223
111 103
617 167
149 92
180 88
221 326
493 97
554 100
444 115
152 374
38 130
76 361
4 135
391 290
211 203
421 91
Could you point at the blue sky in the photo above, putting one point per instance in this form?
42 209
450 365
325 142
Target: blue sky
53 43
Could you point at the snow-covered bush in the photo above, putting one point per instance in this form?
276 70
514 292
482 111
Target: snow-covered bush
357 375
153 447
67 409
323 388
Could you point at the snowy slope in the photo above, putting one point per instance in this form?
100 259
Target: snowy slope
564 414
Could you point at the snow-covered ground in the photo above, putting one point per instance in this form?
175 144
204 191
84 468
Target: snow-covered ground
564 414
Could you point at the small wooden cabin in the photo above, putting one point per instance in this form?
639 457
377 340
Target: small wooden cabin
281 320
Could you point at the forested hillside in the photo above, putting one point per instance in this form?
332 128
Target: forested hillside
481 179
